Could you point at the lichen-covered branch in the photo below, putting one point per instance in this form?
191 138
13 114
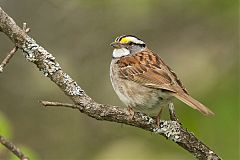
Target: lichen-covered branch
48 65
11 147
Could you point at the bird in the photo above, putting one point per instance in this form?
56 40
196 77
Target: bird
143 81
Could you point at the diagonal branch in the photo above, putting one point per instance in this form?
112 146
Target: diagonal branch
7 58
10 146
46 63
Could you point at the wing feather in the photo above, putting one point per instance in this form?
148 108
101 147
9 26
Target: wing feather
149 70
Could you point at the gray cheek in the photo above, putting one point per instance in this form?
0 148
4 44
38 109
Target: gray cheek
135 49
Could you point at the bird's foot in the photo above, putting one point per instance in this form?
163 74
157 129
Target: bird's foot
172 113
158 121
158 117
131 113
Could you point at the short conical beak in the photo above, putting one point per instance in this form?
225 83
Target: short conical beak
116 45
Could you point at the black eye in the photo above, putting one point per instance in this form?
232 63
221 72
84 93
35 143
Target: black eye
130 43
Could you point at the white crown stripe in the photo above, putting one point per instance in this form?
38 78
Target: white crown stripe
135 40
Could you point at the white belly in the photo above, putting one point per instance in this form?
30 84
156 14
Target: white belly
138 97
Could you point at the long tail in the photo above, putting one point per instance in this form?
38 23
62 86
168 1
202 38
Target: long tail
193 103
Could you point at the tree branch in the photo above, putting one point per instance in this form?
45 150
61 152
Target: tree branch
46 63
8 57
10 146
59 104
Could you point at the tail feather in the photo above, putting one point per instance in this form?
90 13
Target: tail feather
193 103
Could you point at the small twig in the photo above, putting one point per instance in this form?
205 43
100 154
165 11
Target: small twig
172 112
10 146
59 104
8 57
25 28
13 51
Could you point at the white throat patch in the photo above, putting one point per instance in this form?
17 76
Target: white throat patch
117 53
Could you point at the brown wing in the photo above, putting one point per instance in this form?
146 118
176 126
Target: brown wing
175 77
149 70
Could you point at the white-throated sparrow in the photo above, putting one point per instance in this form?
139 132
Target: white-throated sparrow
143 81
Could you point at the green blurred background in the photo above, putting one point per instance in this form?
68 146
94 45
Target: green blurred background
198 39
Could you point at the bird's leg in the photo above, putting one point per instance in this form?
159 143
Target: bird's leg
159 116
172 112
131 112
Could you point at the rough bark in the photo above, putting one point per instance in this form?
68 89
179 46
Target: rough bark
48 65
10 146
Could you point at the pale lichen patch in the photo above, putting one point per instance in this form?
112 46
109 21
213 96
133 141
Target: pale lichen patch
72 87
30 48
33 52
171 129
74 90
102 114
148 119
67 78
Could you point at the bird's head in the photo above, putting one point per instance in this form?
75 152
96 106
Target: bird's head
127 44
